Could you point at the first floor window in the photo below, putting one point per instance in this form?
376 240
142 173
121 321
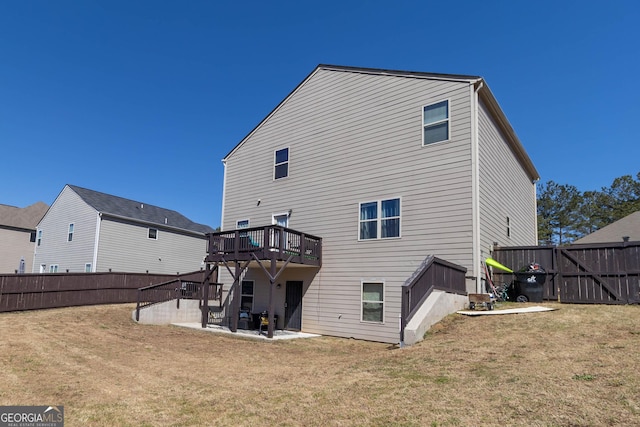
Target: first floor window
87 267
153 233
372 302
53 268
242 223
380 219
246 302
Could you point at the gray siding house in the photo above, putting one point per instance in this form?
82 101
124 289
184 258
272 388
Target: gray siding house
387 167
17 236
624 229
89 231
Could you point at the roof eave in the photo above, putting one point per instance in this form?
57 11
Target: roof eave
494 108
154 224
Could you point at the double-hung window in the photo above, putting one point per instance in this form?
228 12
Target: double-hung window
380 219
435 122
70 234
372 302
39 237
281 163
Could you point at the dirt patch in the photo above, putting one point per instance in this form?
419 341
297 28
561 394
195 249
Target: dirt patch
574 366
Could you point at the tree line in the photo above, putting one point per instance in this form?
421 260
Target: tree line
566 214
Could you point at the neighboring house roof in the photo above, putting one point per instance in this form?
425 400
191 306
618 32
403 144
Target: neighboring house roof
22 218
480 84
629 226
129 209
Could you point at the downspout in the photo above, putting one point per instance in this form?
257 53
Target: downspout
94 266
475 187
224 190
535 201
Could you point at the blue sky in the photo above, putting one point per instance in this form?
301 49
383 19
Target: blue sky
142 99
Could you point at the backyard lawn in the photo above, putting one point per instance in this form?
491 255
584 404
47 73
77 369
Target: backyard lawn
576 366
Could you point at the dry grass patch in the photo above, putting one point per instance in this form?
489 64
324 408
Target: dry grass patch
573 367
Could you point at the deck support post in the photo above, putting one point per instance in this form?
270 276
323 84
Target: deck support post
205 295
272 281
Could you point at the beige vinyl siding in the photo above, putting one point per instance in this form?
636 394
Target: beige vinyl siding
15 244
506 190
357 137
55 249
125 246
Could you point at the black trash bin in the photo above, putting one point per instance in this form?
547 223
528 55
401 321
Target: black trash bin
529 283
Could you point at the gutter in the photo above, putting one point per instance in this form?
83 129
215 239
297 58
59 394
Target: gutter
475 179
154 224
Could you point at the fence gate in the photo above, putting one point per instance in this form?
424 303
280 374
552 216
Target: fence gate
606 273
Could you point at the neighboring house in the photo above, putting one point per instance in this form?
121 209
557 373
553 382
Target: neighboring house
18 236
89 231
386 167
627 228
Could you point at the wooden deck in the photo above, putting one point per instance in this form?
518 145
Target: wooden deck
265 243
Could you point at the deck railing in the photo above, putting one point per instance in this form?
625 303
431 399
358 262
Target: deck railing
265 243
433 273
174 289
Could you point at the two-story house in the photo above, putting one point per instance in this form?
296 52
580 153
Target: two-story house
386 168
18 236
89 231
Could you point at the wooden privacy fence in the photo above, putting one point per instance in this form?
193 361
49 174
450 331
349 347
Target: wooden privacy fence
604 273
433 273
53 290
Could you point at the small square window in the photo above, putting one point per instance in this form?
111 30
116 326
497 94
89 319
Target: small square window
435 122
153 233
281 164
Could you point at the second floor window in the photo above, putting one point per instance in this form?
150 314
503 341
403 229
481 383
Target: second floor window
380 219
70 234
435 120
281 163
153 233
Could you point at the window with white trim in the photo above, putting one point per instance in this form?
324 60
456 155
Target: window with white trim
281 163
87 267
39 237
435 122
153 233
53 268
70 233
372 302
379 219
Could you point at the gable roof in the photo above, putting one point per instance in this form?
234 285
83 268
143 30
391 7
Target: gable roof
483 91
120 207
629 226
22 218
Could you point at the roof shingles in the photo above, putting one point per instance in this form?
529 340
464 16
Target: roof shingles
139 211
